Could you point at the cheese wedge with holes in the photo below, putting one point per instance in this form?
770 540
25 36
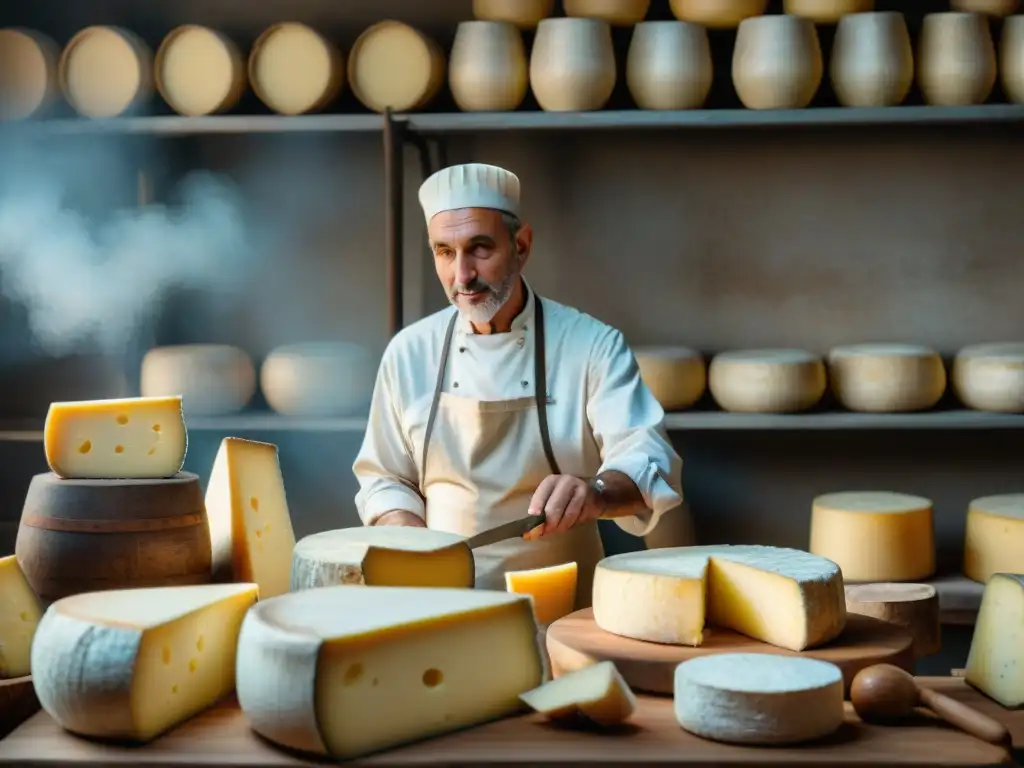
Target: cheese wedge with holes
995 662
20 611
785 597
251 532
597 693
131 664
553 589
385 556
767 380
346 672
135 437
994 538
884 378
990 377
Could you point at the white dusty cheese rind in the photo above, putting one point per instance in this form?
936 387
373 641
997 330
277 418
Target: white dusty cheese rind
887 378
995 662
767 380
318 378
597 692
199 71
395 65
212 379
295 70
346 672
28 73
131 664
668 595
994 538
105 71
676 376
758 699
990 377
20 612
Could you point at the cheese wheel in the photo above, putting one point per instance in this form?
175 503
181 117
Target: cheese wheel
596 692
667 595
295 70
199 71
105 72
525 14
394 65
553 590
875 535
676 376
18 620
996 8
618 13
994 539
881 378
990 377
915 607
826 11
211 379
767 380
758 698
345 672
382 556
318 379
717 14
994 661
28 73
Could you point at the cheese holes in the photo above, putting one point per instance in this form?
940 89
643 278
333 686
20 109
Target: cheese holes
122 419
85 447
353 674
432 678
255 504
118 449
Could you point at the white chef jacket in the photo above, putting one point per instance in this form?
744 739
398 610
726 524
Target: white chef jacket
600 414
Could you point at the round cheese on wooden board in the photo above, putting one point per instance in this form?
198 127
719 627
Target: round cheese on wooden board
915 607
887 378
397 66
767 380
994 539
106 72
199 71
212 379
676 376
318 378
294 69
525 14
28 73
990 377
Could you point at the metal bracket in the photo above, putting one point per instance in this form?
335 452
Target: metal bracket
394 194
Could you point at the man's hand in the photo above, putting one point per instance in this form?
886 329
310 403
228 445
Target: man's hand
401 517
566 501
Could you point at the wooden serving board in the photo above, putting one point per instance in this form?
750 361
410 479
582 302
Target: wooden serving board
18 702
575 641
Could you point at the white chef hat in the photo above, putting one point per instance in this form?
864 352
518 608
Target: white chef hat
473 185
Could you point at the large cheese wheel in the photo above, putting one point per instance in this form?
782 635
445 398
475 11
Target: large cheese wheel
676 376
668 595
318 379
994 539
826 11
618 13
990 377
875 535
28 73
525 14
211 378
767 380
199 71
394 65
294 69
717 14
105 72
887 377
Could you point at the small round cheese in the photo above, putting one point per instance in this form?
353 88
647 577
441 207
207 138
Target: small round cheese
394 65
767 380
525 14
826 11
105 72
758 698
294 70
875 535
28 73
618 13
212 379
880 378
676 376
318 379
717 14
199 71
994 539
990 377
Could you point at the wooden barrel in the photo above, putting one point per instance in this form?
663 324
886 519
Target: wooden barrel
88 535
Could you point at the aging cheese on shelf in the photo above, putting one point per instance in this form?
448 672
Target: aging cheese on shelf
994 539
133 437
294 69
758 698
345 672
879 378
785 597
525 14
553 589
597 692
199 71
618 13
395 65
250 526
995 662
676 376
105 71
717 14
20 611
318 378
28 73
131 664
990 377
212 379
767 380
382 556
826 11
875 535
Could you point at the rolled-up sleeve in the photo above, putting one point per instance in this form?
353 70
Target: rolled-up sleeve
629 426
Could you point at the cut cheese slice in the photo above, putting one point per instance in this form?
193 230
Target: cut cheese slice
597 693
990 377
995 662
199 71
131 664
134 437
994 539
318 379
295 70
385 556
28 73
767 380
20 611
394 65
881 378
875 535
345 672
676 376
784 597
758 698
251 530
212 379
553 589
105 71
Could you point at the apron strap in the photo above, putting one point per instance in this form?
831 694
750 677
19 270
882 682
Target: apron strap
438 386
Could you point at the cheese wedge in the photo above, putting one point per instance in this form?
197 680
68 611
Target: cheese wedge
131 664
345 672
785 597
597 693
251 530
135 437
20 611
995 662
553 589
994 538
385 556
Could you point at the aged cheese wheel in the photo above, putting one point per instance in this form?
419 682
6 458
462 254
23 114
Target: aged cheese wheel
758 698
597 692
717 14
956 60
872 60
1011 58
826 11
488 71
318 379
777 62
676 376
572 65
990 377
618 13
988 7
211 378
199 71
105 72
915 607
28 73
669 65
994 539
394 65
875 535
882 378
525 14
767 380
294 69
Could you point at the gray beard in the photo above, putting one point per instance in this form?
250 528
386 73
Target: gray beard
498 294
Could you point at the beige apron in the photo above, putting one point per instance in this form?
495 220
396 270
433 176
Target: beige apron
487 460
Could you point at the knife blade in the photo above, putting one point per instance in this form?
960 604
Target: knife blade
505 531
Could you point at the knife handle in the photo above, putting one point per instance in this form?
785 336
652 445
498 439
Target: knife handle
535 523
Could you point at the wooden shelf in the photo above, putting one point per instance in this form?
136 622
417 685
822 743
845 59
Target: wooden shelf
175 125
841 420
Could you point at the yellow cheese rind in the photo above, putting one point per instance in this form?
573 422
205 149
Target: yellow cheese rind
28 67
994 538
676 376
995 662
105 71
597 692
295 70
346 672
553 589
882 378
135 437
767 380
395 65
990 377
199 71
212 379
20 612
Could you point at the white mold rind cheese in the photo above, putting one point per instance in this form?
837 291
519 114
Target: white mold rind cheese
887 378
990 377
767 380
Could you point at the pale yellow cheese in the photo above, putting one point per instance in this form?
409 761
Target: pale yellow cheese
319 379
134 437
105 71
826 11
199 71
676 376
994 539
20 611
875 535
717 14
250 526
212 379
382 556
597 693
887 377
990 377
28 67
345 672
131 664
767 380
618 13
525 14
995 663
784 597
394 65
294 69
553 589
